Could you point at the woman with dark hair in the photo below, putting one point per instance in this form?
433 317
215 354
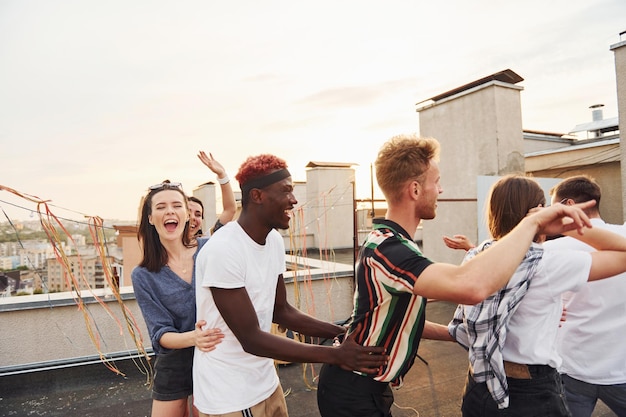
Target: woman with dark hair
164 285
511 336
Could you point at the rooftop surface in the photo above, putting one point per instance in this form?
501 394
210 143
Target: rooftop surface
432 388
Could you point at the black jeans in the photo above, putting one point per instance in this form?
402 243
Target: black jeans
582 397
541 396
345 394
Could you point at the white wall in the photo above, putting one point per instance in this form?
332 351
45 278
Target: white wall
330 206
45 328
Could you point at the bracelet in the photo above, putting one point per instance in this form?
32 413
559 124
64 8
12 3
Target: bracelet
224 181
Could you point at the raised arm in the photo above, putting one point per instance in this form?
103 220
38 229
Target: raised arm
229 205
490 270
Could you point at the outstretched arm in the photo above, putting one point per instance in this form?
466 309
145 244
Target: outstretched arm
229 205
436 331
239 314
291 318
458 242
490 270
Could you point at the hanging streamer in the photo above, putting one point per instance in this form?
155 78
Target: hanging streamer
53 227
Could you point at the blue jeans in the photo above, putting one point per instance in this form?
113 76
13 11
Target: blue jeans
345 394
582 397
540 396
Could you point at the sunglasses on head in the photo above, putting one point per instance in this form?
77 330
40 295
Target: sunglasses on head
165 185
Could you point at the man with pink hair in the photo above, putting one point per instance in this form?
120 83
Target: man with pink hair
240 289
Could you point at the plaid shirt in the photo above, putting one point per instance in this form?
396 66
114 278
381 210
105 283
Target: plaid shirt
482 328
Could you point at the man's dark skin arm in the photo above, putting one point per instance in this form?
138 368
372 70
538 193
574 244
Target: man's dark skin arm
291 318
239 314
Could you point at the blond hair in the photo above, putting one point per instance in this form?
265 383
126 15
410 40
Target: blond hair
403 158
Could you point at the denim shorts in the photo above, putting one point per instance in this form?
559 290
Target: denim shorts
173 379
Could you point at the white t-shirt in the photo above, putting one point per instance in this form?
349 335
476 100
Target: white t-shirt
592 340
228 379
532 329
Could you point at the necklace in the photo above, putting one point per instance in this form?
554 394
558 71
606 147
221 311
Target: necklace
183 264
183 268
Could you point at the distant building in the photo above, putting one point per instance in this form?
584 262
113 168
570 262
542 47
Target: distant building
17 281
78 240
591 148
35 254
6 262
128 245
90 276
8 285
8 248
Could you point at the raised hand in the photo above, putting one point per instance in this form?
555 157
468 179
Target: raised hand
212 163
560 218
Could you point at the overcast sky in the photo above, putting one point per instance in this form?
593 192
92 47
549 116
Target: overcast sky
100 99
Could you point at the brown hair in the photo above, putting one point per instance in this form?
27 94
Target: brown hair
579 188
510 199
403 158
154 254
198 201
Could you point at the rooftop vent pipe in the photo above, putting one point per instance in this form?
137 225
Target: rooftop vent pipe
596 112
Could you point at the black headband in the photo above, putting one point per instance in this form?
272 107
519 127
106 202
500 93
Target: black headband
264 181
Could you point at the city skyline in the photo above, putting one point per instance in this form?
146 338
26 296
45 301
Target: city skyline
100 100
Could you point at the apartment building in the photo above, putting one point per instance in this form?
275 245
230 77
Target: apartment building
85 272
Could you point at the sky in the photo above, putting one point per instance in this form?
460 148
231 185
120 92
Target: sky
101 99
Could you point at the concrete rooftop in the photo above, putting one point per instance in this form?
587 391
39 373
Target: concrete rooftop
430 390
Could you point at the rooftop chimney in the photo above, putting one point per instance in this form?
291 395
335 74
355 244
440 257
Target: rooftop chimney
596 112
